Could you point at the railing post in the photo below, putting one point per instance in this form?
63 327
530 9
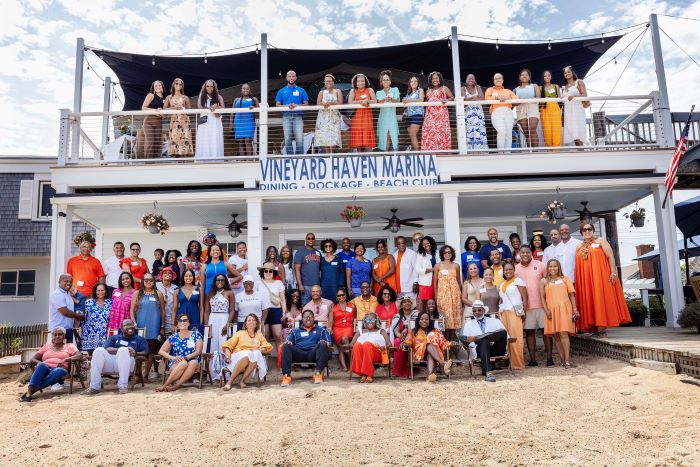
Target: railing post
662 122
662 110
262 146
63 136
105 108
77 98
459 99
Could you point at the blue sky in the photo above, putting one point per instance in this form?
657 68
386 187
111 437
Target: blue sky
37 44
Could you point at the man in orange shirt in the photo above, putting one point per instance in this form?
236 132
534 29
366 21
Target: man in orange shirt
85 269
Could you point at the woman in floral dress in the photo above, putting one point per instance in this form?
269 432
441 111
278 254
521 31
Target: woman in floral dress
94 327
328 121
476 125
179 135
437 134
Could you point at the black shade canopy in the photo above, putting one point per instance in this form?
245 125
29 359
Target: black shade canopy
688 216
136 72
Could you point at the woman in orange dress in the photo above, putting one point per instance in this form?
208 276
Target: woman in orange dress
428 343
341 322
386 308
559 303
362 127
511 310
369 346
598 290
448 293
383 268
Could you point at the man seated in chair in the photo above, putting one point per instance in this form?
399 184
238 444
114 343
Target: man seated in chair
486 337
117 356
306 344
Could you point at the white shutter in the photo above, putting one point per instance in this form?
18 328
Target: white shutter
26 193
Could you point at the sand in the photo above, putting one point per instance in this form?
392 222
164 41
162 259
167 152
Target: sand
602 412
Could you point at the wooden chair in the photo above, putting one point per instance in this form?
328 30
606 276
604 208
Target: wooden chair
421 363
476 361
323 324
695 282
74 363
388 366
232 328
137 372
204 360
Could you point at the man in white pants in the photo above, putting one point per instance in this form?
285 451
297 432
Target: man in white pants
117 356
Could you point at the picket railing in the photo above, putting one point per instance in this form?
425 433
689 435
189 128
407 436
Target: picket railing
13 338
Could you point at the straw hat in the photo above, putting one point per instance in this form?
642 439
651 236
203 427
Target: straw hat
407 297
267 265
480 304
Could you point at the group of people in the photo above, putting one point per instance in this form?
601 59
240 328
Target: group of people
557 126
421 300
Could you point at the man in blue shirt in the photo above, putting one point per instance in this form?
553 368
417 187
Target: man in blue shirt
292 121
493 244
305 344
62 312
117 356
346 253
307 267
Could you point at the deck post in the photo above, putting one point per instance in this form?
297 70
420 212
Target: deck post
450 216
77 98
61 238
106 102
670 261
64 137
262 136
255 234
459 99
662 109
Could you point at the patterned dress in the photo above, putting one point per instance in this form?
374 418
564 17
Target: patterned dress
419 342
179 135
476 125
180 347
328 123
436 126
449 298
94 327
121 307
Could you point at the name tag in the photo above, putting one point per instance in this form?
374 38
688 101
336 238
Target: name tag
295 93
500 249
81 283
151 299
334 263
304 334
117 294
444 272
558 281
345 261
123 343
190 344
196 292
348 309
376 266
324 307
256 341
134 263
470 256
595 245
482 290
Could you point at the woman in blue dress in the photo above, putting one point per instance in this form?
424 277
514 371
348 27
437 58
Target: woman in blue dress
474 117
471 255
244 122
414 114
358 270
148 311
387 125
182 351
332 270
94 327
188 299
215 264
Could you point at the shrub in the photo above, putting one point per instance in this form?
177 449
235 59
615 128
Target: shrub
657 311
690 316
638 312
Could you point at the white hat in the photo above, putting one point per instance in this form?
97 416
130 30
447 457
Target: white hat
480 304
248 278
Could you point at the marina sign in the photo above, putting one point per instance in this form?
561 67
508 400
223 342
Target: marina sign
343 172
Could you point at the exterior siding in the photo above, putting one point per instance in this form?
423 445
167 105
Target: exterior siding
20 237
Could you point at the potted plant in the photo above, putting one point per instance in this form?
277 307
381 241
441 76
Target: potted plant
636 217
690 316
353 215
154 223
84 237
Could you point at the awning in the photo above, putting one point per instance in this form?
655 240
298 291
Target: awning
688 217
136 72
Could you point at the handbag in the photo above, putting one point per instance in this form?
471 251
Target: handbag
202 119
274 299
385 356
519 310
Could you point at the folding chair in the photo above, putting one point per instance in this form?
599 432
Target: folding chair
385 325
323 324
206 339
476 361
232 328
421 363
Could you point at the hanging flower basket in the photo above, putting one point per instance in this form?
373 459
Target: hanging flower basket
637 217
154 223
353 215
84 237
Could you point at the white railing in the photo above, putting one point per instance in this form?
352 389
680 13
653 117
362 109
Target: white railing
611 123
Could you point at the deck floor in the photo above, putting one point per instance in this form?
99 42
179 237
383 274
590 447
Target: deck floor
674 339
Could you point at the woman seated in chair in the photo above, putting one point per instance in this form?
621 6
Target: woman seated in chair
245 351
182 351
400 326
370 345
52 363
428 343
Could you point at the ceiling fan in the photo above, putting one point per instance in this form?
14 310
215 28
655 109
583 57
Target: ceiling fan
394 223
585 214
234 227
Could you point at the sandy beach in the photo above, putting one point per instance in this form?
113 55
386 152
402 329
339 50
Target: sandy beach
602 412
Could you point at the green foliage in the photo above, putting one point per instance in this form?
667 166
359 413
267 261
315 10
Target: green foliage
690 316
657 311
638 312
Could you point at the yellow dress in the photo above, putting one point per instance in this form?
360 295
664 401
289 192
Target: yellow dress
449 298
551 120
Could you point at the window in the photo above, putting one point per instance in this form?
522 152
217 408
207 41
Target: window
46 192
17 283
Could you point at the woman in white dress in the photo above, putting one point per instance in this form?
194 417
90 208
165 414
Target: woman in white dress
219 311
210 131
328 121
575 131
245 351
474 115
511 310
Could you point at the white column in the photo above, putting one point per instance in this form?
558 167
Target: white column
99 245
450 216
670 261
255 234
106 101
61 238
662 110
459 101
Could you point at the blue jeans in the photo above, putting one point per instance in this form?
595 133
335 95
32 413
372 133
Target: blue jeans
44 376
293 126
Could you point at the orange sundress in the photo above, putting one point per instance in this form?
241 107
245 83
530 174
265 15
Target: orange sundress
419 342
381 267
600 303
449 298
556 294
362 127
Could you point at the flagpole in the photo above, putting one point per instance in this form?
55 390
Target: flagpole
683 136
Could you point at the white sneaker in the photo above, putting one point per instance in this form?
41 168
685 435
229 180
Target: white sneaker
56 387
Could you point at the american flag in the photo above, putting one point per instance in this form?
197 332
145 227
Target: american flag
670 180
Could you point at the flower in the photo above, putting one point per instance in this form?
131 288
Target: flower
155 219
84 237
353 212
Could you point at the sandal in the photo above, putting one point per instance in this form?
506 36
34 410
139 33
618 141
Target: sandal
446 367
227 386
432 377
363 379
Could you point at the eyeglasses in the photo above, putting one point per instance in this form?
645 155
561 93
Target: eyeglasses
271 271
587 229
365 287
311 238
136 249
386 293
328 246
183 320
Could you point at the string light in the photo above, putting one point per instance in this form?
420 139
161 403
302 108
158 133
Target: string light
153 61
205 58
602 38
257 50
496 44
549 45
449 44
280 72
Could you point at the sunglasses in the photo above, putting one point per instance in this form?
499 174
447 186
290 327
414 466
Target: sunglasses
136 249
183 320
271 271
365 287
311 238
327 246
587 229
386 293
148 280
340 295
